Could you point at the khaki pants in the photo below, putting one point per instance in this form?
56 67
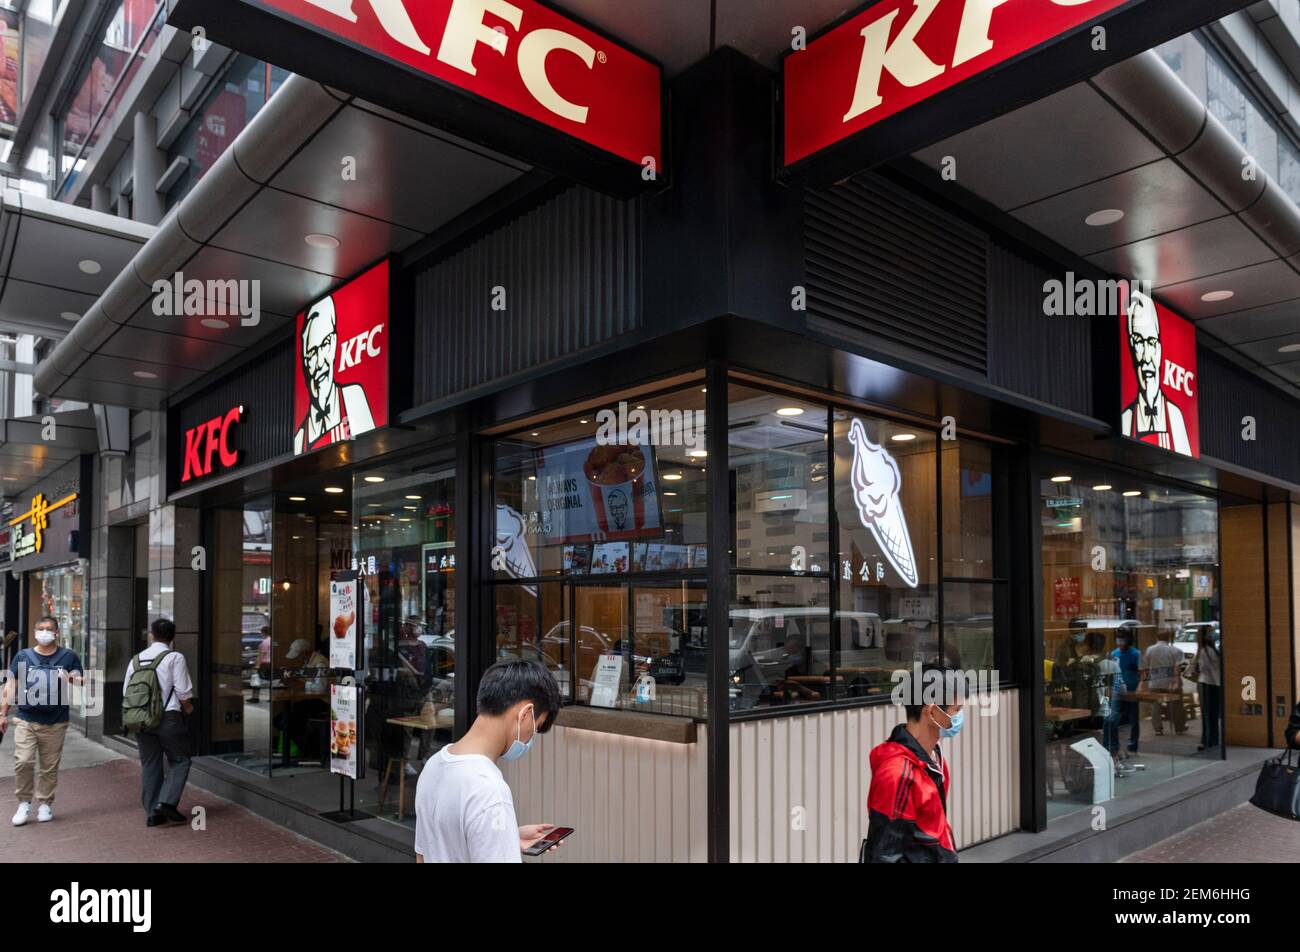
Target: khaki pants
33 742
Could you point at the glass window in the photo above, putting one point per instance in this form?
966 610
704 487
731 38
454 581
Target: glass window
967 510
779 644
1130 598
128 33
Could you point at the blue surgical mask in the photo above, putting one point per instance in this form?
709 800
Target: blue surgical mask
517 747
954 726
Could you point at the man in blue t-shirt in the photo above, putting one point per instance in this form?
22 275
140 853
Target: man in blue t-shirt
1130 662
40 683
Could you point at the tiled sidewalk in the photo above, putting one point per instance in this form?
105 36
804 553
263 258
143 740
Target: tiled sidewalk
1244 834
98 818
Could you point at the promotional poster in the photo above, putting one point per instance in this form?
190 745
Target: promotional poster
345 597
345 718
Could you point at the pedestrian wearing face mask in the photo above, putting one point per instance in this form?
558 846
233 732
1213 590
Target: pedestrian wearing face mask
39 683
907 803
464 812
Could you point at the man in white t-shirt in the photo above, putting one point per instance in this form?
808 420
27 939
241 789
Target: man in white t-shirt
160 793
463 809
1162 667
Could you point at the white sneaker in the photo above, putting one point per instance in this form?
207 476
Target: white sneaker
20 817
44 814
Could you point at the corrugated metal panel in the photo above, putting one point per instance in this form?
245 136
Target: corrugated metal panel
264 388
1228 394
1021 337
883 262
631 800
570 272
799 784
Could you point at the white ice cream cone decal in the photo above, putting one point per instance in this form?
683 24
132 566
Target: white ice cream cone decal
876 483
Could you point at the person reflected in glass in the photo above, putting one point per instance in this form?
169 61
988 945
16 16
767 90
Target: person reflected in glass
1205 671
1130 667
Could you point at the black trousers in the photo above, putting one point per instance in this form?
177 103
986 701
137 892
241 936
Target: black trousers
171 739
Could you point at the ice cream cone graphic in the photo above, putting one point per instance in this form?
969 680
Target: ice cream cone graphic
876 483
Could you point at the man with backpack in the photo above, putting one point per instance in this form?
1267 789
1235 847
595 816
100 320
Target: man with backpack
158 689
39 683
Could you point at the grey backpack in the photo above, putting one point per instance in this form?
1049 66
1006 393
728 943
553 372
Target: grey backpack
142 700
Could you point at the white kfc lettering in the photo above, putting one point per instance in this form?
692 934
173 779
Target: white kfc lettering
904 58
361 345
466 31
1179 378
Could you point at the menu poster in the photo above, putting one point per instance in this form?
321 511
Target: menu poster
607 681
591 492
345 605
345 731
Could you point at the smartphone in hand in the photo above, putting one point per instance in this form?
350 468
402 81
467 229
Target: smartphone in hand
550 839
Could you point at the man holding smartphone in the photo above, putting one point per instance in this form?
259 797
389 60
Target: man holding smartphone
46 674
464 812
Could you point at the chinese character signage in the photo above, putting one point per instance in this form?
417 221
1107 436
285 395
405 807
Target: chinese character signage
341 366
1158 385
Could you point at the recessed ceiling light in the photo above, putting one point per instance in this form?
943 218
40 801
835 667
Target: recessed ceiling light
70 316
1133 492
340 512
374 479
1061 479
89 266
216 323
322 241
144 375
1107 216
1213 297
409 508
640 406
334 490
534 433
670 494
297 498
582 421
673 477
698 454
1104 487
375 505
790 411
903 437
404 519
1288 348
414 497
532 479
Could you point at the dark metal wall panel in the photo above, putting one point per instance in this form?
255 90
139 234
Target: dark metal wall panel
264 388
570 271
884 262
1045 358
1227 395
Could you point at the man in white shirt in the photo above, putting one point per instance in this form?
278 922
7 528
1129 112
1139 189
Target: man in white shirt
463 809
1162 665
160 795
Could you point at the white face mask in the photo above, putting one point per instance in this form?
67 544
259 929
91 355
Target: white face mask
45 638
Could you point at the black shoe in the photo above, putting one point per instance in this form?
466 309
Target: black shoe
155 821
165 811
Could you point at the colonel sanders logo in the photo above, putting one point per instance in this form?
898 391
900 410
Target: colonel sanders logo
1152 417
876 484
334 413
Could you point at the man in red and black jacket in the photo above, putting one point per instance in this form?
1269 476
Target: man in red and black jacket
907 804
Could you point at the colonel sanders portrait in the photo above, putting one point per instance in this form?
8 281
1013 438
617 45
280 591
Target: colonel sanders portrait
334 413
1151 417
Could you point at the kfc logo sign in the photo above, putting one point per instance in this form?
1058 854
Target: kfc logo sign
1158 376
897 53
211 445
341 371
516 53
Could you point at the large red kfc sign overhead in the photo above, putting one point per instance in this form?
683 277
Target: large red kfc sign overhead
341 366
900 74
520 56
1158 384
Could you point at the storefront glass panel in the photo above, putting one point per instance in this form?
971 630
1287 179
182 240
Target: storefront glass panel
1130 601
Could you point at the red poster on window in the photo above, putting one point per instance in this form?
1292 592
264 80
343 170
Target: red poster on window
1158 385
341 371
1065 597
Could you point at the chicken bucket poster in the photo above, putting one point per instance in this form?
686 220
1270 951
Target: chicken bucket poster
344 599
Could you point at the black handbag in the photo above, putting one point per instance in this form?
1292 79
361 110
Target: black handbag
1277 790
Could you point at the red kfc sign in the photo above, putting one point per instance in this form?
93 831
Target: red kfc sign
1158 386
341 370
210 445
896 53
518 54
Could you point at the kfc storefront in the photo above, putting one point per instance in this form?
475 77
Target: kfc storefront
724 423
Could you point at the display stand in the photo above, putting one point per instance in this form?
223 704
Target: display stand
347 599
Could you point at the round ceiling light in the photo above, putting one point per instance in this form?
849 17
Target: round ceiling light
70 316
144 375
89 266
322 241
1288 348
903 437
790 411
1214 297
1107 216
215 323
334 490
